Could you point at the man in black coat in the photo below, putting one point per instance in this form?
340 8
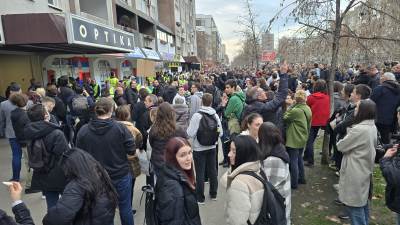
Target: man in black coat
170 92
256 100
50 181
131 93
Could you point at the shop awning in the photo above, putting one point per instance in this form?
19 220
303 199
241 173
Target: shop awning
151 54
168 57
192 59
137 53
178 58
62 33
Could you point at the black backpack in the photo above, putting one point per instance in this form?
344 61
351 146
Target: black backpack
207 134
273 210
38 157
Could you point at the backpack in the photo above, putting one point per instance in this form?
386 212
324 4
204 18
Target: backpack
38 157
273 210
207 134
79 105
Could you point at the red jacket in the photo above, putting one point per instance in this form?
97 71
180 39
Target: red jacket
320 108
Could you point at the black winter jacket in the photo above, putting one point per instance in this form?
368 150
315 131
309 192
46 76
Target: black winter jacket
387 99
109 142
19 119
169 94
391 172
268 110
68 210
56 145
176 202
158 146
66 95
22 216
60 109
131 96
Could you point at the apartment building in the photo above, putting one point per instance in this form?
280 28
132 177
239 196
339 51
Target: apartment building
209 43
45 39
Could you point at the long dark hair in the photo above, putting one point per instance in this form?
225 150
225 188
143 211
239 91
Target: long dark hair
249 120
165 124
80 166
246 150
366 111
171 149
269 136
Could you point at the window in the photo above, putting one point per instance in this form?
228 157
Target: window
55 3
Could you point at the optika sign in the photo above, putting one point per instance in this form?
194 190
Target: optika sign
93 34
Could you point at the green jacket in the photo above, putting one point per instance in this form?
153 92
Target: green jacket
235 105
298 121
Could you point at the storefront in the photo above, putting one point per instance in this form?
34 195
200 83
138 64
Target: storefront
77 44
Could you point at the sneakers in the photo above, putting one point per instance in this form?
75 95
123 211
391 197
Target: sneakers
213 198
201 203
338 202
344 216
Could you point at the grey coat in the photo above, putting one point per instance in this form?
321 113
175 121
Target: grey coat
358 148
6 127
182 115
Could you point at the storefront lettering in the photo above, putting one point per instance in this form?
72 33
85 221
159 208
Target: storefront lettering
91 33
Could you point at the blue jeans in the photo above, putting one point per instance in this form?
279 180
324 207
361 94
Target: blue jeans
358 215
51 198
16 158
309 152
296 166
123 187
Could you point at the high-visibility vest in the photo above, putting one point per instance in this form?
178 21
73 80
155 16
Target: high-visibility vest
96 88
113 82
112 91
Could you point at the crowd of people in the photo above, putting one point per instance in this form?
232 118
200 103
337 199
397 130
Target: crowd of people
84 144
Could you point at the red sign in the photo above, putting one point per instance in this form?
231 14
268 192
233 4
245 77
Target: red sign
268 56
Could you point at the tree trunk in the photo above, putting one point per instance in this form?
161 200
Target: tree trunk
331 78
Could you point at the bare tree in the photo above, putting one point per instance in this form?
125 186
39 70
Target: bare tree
251 32
325 18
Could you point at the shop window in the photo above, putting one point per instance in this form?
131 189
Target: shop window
62 67
126 68
104 69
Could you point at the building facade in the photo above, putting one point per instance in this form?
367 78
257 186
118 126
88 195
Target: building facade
209 43
86 38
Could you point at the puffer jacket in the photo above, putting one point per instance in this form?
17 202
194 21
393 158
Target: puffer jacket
56 144
391 172
158 143
245 194
176 202
182 115
68 210
22 216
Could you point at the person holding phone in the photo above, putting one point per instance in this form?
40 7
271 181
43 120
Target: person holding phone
21 212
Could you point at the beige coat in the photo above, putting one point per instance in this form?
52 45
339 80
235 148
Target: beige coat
358 148
245 194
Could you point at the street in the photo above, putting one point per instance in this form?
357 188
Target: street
212 213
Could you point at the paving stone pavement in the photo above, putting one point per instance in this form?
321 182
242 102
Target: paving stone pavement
212 213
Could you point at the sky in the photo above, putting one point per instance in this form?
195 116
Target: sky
227 12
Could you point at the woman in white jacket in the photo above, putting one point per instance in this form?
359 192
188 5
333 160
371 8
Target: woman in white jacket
244 193
358 148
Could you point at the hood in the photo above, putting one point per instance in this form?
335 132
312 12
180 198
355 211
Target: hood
99 126
393 86
39 129
249 166
208 110
279 151
240 94
181 108
319 95
199 93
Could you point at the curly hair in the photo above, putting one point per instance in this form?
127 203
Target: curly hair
165 124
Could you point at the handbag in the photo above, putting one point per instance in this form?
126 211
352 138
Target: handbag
233 126
134 165
144 162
